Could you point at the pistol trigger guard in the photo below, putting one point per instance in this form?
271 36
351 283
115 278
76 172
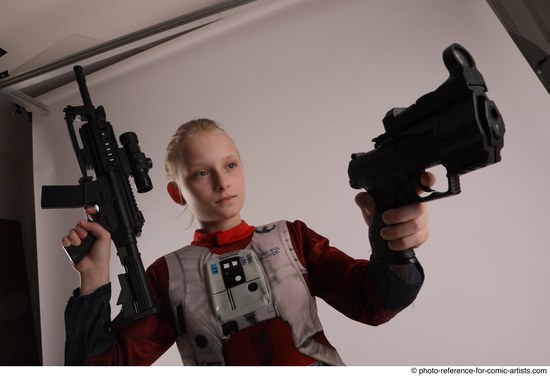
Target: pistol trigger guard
453 189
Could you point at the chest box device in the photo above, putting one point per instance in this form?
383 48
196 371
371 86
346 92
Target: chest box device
237 284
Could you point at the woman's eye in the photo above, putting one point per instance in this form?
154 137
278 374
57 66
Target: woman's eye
232 165
200 174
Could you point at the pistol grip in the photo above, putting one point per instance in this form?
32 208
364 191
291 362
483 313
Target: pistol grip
77 253
380 249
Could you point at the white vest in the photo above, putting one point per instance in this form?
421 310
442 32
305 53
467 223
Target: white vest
210 314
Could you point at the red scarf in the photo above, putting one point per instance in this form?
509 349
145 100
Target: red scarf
225 241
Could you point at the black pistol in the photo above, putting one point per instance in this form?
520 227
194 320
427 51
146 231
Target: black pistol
456 126
111 194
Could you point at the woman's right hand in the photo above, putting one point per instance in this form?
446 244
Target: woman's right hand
94 267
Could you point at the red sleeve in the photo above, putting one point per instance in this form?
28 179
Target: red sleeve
347 284
144 341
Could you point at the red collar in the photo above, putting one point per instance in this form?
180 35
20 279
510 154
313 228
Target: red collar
221 238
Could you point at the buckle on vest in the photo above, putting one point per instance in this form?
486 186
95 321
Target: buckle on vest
230 327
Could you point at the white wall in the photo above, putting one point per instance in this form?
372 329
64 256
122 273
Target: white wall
301 91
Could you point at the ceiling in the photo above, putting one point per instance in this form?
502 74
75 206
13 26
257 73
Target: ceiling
36 32
43 40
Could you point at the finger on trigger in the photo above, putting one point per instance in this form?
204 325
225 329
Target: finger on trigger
92 211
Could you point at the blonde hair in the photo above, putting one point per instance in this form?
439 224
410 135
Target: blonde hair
173 155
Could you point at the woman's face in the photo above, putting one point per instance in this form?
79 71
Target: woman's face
212 180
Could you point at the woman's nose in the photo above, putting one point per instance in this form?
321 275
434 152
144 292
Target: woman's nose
222 183
221 188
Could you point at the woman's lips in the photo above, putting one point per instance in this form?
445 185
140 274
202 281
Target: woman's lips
226 199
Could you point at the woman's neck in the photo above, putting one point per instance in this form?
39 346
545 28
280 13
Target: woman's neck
211 227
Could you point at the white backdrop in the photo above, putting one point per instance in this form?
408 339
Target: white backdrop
299 92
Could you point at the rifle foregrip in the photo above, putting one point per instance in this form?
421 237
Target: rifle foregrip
380 249
77 253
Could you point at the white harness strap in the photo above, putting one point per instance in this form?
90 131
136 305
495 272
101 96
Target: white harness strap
200 343
290 292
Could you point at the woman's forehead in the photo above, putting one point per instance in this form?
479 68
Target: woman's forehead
209 145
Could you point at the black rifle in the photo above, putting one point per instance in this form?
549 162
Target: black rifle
456 126
111 194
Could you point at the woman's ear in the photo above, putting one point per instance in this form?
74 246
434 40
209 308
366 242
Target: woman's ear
175 193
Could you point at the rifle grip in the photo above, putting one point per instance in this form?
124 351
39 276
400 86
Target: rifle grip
77 253
380 249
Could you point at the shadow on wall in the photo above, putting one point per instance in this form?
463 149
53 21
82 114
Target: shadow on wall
18 342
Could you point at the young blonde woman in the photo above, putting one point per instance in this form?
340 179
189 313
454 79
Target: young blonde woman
238 294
